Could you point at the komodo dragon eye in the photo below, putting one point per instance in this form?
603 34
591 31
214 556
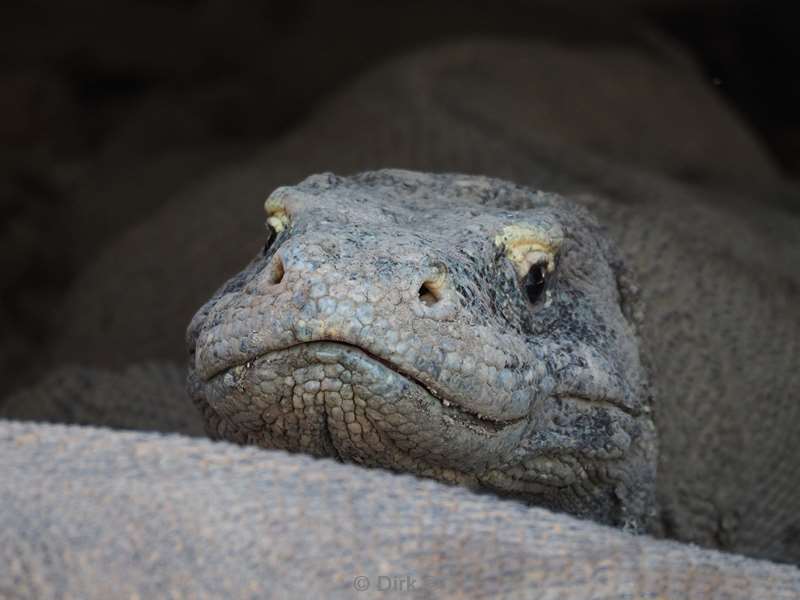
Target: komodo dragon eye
532 250
535 282
271 235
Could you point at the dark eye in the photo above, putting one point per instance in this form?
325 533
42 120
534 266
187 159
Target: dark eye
535 282
271 235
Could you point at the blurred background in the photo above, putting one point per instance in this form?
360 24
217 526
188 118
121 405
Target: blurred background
91 91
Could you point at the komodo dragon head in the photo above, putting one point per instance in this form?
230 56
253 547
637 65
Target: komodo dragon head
455 327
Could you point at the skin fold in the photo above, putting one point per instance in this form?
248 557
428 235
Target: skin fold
132 514
387 323
623 348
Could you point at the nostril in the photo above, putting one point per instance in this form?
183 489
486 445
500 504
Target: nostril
429 293
432 289
276 276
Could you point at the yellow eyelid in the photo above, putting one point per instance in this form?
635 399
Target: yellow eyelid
526 246
277 217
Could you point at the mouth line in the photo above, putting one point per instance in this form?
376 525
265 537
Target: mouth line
604 403
465 416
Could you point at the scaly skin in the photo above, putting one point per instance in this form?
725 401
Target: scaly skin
149 397
388 324
93 514
721 330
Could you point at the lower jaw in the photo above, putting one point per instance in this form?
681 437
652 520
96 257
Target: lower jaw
333 400
330 399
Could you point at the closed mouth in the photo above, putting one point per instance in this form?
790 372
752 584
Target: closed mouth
468 418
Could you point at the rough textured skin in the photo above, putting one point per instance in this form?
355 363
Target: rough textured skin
386 325
718 276
721 291
447 370
457 108
146 397
91 514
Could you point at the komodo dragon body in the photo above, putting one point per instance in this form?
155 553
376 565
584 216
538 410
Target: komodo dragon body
632 360
477 332
140 515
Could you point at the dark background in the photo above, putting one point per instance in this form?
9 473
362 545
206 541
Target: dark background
90 89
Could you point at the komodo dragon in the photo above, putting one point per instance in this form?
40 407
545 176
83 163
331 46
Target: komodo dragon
454 326
471 330
719 334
